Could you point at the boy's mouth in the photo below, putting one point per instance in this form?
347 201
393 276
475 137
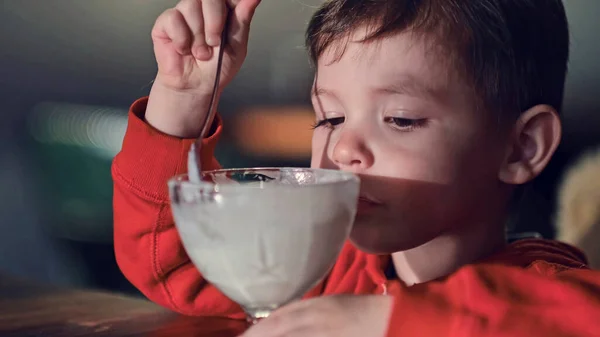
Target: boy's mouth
367 204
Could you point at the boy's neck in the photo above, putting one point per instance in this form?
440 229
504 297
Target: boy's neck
448 252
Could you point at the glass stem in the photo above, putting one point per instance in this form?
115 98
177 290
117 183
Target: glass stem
254 315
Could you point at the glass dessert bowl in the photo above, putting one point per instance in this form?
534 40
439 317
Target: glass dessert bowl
264 236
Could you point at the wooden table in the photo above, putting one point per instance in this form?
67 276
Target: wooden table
33 311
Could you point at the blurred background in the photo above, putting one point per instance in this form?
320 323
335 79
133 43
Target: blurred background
69 69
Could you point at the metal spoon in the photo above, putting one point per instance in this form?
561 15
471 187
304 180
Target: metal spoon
194 165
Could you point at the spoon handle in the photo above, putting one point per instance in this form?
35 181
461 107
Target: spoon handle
194 165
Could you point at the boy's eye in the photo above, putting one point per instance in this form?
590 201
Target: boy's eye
406 124
329 122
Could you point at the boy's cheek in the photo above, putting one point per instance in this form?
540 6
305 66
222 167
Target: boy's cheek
426 165
319 155
320 160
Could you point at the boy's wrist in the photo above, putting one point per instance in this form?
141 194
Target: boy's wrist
178 113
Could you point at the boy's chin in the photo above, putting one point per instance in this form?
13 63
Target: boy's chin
381 240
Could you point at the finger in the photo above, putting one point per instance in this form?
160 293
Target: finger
297 332
171 27
245 8
294 306
308 332
191 10
243 12
215 14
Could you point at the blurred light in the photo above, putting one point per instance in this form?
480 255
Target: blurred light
98 129
282 132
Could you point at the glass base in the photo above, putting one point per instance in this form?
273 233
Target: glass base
254 315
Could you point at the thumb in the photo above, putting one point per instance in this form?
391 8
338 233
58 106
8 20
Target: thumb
241 17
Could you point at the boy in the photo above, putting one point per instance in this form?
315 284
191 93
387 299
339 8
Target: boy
442 107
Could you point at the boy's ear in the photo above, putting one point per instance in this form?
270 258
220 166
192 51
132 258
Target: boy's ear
534 140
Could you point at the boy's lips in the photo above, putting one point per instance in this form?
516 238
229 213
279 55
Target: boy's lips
366 203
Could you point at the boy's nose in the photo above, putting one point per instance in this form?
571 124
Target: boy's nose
351 152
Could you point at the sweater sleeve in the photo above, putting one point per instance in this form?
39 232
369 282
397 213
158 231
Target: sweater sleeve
147 245
493 300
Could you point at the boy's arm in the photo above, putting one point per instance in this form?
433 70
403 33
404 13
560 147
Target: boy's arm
500 301
147 245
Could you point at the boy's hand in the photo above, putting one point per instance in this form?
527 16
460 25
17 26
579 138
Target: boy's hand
186 41
186 45
348 316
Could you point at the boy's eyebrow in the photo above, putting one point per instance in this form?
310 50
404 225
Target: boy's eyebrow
318 91
404 85
409 86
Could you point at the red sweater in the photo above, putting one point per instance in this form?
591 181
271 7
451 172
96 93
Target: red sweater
533 287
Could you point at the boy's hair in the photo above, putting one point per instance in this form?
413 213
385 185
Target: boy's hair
513 53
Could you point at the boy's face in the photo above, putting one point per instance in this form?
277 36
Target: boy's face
400 117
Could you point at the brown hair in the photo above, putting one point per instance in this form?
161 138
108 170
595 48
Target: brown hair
513 52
